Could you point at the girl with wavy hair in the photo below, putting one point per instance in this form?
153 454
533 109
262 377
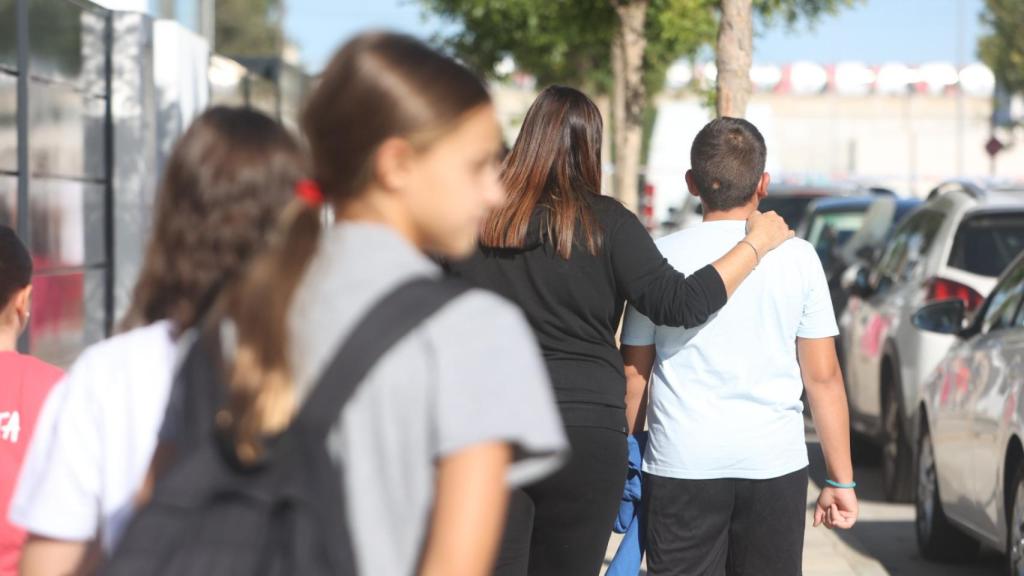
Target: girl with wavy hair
225 185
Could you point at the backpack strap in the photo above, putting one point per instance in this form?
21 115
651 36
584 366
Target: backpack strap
393 317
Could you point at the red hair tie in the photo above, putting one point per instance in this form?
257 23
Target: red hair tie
309 192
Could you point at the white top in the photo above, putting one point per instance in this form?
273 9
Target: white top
95 438
725 396
470 374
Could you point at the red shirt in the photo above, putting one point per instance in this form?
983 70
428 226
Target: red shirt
24 384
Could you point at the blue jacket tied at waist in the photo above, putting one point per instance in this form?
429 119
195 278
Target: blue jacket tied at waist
631 551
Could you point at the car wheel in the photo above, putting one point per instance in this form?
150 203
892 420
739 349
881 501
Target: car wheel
937 538
896 455
1015 531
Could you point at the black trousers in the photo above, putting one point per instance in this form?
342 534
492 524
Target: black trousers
561 526
725 526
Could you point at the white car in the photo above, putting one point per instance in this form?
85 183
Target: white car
953 246
970 469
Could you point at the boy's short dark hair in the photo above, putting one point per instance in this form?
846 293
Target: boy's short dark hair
727 160
15 265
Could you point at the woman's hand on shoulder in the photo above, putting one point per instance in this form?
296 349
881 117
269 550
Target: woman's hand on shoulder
767 231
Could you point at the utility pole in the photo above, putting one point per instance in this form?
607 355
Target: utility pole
960 18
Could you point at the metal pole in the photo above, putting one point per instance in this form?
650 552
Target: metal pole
911 148
108 133
959 89
24 222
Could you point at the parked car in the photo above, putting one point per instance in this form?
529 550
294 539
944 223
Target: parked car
843 228
970 469
953 246
851 230
789 201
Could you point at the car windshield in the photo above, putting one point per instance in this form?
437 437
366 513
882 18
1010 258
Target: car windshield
986 243
833 229
791 208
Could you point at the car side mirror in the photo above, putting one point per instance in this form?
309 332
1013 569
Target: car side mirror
943 317
856 280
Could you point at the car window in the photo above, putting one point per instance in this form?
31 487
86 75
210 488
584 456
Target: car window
909 246
903 209
1004 303
791 208
986 244
830 231
893 254
834 228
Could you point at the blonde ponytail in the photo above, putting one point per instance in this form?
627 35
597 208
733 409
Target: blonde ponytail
262 398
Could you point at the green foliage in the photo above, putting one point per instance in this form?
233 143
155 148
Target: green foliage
1002 48
559 41
569 41
792 11
249 27
55 35
676 29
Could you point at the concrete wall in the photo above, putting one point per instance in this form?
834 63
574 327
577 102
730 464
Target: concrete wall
908 143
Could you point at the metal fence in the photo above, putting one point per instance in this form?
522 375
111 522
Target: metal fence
78 173
55 165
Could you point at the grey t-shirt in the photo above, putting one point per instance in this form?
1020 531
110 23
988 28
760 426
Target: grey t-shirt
472 373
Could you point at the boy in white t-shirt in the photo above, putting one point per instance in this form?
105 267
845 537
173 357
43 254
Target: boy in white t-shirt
725 471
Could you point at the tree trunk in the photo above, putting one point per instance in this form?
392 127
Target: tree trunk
629 96
604 105
733 57
618 104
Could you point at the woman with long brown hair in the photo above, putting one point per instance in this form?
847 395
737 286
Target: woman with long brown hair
404 143
572 258
224 186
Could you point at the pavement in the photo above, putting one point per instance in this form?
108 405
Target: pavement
825 552
882 542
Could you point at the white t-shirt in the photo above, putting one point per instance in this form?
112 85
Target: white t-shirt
725 396
95 438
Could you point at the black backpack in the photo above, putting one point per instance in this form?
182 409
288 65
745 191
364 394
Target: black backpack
212 515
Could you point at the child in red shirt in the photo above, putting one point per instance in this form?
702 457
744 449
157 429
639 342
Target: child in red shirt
24 384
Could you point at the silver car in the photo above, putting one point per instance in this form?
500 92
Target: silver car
970 469
953 246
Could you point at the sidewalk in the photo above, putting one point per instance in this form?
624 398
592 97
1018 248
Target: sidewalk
825 553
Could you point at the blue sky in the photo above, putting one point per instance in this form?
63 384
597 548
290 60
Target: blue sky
877 31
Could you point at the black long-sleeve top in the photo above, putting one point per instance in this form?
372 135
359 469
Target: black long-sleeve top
575 305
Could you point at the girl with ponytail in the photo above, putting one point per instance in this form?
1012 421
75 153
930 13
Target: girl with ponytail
404 144
224 186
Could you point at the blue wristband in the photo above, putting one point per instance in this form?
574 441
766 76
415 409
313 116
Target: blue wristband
835 484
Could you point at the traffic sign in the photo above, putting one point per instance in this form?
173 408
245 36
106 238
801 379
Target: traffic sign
993 146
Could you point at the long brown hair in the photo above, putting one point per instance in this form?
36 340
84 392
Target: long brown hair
378 86
225 184
555 164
